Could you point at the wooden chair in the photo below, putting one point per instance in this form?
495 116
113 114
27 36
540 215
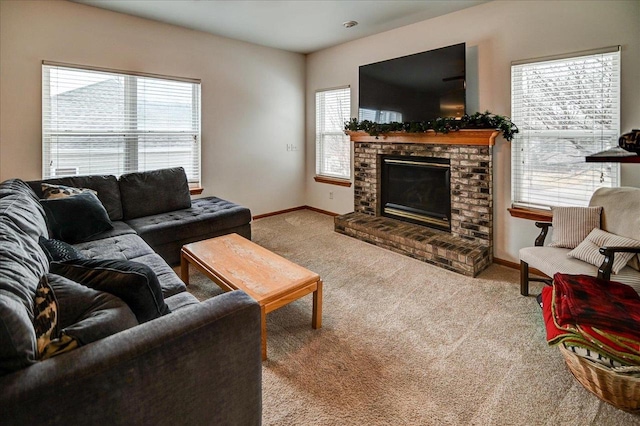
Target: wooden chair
620 216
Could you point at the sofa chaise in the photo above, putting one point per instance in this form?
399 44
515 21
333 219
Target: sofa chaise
195 363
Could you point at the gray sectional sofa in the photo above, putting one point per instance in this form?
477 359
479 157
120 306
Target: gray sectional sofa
198 364
157 206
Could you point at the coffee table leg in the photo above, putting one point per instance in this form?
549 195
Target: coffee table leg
316 319
184 269
263 332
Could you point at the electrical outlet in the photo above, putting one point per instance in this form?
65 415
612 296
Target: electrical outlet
288 147
331 195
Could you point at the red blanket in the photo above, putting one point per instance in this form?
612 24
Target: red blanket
589 302
618 346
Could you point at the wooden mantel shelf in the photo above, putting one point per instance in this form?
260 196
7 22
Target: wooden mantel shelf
481 137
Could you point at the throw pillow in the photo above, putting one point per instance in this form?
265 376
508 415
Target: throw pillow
571 225
50 191
76 219
57 250
45 322
86 315
133 282
588 250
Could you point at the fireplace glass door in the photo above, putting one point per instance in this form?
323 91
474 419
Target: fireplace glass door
417 190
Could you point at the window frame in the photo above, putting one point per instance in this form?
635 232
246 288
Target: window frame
321 175
135 130
605 135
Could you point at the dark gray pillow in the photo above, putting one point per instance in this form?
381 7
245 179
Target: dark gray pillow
86 315
77 218
133 282
154 192
60 251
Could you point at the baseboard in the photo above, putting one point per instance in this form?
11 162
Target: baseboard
293 209
314 209
514 265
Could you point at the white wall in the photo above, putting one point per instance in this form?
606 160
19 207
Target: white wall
498 32
252 96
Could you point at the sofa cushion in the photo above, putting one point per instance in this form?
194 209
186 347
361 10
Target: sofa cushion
125 247
76 218
589 249
57 250
22 260
571 225
85 314
550 260
133 282
205 216
619 217
181 300
106 186
17 335
169 281
154 192
19 203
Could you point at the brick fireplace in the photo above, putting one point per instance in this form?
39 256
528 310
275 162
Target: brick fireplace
468 247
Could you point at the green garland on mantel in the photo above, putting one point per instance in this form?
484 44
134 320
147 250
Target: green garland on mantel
479 120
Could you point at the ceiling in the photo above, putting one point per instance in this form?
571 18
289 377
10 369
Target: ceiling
302 26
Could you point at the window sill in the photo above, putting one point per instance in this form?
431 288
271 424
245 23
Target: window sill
332 181
196 190
531 214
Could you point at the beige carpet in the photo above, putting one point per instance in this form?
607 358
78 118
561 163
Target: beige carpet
407 343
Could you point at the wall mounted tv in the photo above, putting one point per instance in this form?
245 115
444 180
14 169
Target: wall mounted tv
417 87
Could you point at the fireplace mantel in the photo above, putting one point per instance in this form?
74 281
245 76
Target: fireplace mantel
477 137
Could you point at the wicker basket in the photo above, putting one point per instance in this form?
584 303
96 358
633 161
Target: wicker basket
619 390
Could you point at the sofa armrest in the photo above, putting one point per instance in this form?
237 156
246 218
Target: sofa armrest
604 271
544 229
199 365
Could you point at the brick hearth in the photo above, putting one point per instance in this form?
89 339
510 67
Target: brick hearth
468 248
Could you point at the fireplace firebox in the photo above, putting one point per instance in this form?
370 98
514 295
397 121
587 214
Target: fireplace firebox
416 190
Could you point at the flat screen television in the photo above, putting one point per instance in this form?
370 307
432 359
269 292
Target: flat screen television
417 87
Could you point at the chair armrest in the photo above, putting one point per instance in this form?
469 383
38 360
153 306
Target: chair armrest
199 365
604 271
544 229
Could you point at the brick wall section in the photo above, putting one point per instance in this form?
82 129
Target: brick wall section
471 204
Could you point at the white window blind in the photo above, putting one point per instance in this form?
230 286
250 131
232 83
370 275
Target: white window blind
565 108
109 122
333 148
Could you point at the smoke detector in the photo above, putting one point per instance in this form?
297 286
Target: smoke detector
349 24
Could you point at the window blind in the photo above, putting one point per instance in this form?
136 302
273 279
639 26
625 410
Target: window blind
110 122
333 149
565 108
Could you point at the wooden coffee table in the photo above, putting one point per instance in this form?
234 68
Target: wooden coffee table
235 263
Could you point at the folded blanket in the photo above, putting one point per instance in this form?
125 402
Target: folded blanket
592 302
620 347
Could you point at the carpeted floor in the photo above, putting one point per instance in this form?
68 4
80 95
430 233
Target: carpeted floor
407 343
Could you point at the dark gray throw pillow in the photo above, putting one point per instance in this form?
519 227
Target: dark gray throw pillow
60 251
133 282
77 218
86 315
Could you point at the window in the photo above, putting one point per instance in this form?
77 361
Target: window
108 122
565 108
380 116
333 149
